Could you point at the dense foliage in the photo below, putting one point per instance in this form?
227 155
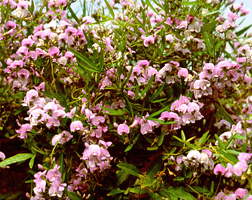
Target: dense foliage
128 99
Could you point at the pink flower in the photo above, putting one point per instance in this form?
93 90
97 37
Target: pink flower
53 174
241 193
97 120
239 168
53 52
23 73
91 150
22 51
123 128
244 157
76 125
52 122
193 154
183 72
219 169
50 107
23 130
2 155
229 170
232 16
148 40
143 63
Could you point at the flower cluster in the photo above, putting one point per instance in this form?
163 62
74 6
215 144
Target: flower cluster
51 178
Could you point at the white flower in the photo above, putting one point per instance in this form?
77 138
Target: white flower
20 13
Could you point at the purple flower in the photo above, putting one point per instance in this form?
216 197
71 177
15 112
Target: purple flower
76 125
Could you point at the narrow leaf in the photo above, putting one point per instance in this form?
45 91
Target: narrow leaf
219 141
31 163
115 191
131 169
73 14
73 196
161 138
17 158
228 156
110 9
121 176
208 26
238 33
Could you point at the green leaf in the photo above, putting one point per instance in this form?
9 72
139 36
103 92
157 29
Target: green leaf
122 175
73 14
147 87
238 33
17 158
236 153
228 156
178 138
127 79
110 9
180 193
115 191
152 148
161 138
156 94
73 195
31 163
61 163
178 178
189 3
221 144
131 169
230 141
83 58
183 136
157 113
204 138
133 142
155 196
212 187
154 167
112 112
210 13
150 5
209 26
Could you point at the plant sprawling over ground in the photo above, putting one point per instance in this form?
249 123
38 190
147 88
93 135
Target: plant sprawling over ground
128 99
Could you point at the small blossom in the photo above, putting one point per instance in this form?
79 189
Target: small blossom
76 125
